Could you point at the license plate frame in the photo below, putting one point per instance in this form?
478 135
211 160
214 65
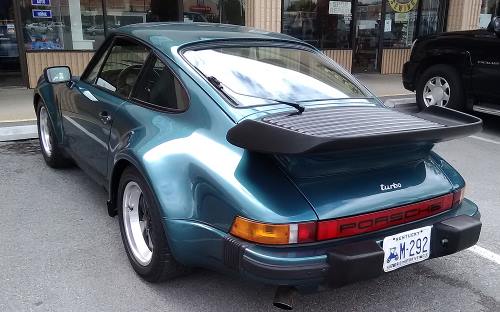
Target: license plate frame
401 249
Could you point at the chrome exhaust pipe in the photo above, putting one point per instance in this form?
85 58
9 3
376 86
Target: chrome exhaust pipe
283 298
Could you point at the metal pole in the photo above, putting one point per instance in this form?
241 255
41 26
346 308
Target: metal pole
104 17
20 42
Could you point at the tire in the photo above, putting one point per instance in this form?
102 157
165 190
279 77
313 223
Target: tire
435 75
159 265
51 151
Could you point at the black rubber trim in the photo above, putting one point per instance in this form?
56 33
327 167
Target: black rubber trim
353 262
279 272
233 252
310 132
455 234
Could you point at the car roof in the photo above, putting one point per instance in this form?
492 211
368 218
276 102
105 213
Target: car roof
166 36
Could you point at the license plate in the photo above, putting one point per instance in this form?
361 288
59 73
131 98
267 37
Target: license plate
406 248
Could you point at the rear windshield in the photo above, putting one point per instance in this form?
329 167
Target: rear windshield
258 75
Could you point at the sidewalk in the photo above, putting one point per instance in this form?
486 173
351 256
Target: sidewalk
384 85
17 116
16 105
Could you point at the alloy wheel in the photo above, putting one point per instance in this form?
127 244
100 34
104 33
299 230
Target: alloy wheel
137 223
436 92
44 127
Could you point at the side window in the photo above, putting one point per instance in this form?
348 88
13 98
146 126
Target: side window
122 67
92 74
160 87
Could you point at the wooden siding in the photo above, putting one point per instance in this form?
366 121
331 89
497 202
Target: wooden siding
263 14
463 15
393 60
37 61
342 57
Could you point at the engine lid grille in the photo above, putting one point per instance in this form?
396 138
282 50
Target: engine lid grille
350 121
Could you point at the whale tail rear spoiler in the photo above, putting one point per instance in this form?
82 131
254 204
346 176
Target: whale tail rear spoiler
350 128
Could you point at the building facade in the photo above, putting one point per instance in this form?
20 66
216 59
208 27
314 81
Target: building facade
361 35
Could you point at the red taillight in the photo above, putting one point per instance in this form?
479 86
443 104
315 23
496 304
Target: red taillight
458 196
281 234
375 221
306 232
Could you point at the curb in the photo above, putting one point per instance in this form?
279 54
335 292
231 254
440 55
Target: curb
14 131
402 102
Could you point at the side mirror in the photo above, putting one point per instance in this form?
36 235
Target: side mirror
58 74
494 26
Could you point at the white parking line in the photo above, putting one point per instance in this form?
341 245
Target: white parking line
485 253
485 139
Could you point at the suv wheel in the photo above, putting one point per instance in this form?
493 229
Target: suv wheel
440 85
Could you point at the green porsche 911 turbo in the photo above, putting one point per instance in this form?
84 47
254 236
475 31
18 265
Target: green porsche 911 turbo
252 153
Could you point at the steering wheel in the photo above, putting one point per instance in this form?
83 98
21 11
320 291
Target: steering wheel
127 78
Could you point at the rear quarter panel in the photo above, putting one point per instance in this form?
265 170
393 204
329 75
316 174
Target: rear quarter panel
195 173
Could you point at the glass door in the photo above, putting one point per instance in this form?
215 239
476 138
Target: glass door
10 69
367 30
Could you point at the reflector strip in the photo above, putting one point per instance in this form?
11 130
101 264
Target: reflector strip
375 221
294 231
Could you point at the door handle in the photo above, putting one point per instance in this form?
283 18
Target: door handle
105 117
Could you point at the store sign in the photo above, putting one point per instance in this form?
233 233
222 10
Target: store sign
388 25
42 13
403 6
339 8
11 30
40 2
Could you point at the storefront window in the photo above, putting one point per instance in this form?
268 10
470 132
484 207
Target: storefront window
324 24
202 11
233 12
429 21
79 24
126 12
489 8
62 24
121 13
215 11
399 27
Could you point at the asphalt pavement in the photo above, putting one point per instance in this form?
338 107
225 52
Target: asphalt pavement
59 251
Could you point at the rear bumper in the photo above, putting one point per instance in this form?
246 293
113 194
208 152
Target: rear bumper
343 263
409 75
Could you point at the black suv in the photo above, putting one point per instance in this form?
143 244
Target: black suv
459 70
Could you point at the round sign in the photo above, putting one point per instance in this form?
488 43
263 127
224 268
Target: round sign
402 6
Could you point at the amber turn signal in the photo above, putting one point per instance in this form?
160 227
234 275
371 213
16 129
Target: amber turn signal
273 234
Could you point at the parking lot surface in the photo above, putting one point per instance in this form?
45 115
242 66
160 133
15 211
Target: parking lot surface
61 252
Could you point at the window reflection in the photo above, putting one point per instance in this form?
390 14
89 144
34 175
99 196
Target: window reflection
399 27
64 24
489 9
429 20
324 24
256 75
80 25
215 11
126 12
